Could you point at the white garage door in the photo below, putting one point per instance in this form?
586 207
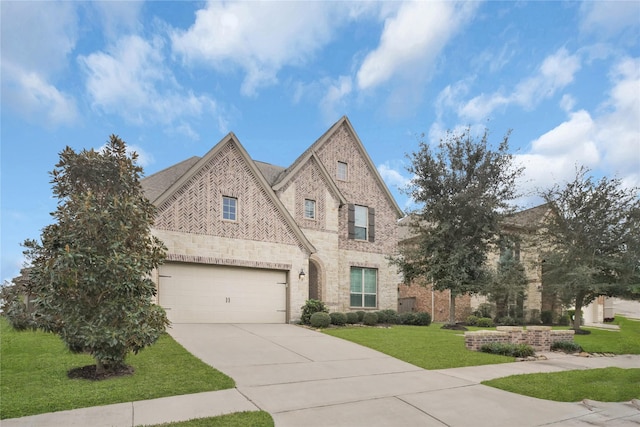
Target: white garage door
197 293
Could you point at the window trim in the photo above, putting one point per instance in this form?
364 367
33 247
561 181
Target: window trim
314 213
226 208
342 173
363 294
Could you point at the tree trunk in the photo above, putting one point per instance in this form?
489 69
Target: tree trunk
577 317
452 308
100 369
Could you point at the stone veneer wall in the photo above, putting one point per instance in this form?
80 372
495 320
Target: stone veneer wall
539 337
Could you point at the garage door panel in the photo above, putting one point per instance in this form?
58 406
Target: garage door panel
196 293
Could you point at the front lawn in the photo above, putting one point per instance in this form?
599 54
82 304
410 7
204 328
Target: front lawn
624 341
604 385
34 365
428 347
238 419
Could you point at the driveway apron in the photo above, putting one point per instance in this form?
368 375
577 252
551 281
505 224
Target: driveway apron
303 377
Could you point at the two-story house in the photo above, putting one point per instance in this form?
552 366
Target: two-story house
251 242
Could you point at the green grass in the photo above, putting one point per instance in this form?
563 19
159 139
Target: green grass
624 341
239 419
427 347
604 385
34 365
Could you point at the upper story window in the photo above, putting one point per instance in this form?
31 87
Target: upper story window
229 208
342 172
361 223
310 209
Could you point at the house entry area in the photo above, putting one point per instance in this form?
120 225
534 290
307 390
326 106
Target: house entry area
201 293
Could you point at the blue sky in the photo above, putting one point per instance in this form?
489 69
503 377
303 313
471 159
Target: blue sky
172 78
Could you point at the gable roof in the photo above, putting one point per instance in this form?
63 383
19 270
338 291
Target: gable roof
287 174
316 146
156 184
528 219
200 163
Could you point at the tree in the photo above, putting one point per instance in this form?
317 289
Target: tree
507 284
90 272
593 234
463 189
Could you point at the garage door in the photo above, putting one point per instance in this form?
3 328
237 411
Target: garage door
197 293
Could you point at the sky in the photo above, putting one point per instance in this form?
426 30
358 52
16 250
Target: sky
173 78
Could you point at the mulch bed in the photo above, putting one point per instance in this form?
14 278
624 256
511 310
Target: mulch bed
89 373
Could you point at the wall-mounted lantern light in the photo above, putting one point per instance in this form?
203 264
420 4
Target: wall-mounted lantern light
301 275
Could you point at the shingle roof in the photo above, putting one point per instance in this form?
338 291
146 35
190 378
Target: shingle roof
529 218
156 184
270 172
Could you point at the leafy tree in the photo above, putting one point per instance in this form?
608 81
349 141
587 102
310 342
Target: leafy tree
508 282
463 188
90 271
594 240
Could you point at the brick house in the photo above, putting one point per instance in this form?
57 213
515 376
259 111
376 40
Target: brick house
251 242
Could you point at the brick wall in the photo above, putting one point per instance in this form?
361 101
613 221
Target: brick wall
539 337
438 307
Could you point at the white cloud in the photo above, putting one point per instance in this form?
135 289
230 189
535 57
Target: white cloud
608 142
131 80
334 97
392 177
36 44
29 93
258 37
556 72
609 17
119 17
618 130
411 40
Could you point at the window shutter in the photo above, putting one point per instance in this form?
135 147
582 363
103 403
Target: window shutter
372 225
351 221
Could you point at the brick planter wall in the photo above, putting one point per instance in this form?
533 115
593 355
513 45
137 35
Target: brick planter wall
538 337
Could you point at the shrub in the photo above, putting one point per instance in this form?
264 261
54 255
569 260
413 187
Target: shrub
484 310
392 316
508 349
312 306
360 314
408 318
352 317
534 317
472 320
546 316
564 320
382 317
566 346
338 319
507 321
485 322
370 318
422 319
320 319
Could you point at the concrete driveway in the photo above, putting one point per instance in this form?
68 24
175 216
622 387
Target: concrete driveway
302 377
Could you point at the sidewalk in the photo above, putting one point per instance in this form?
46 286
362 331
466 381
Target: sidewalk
457 403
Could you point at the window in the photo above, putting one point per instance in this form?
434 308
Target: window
341 173
310 209
364 287
229 208
360 222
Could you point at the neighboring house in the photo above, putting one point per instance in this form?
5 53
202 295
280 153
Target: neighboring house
525 225
251 242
